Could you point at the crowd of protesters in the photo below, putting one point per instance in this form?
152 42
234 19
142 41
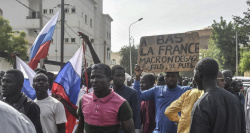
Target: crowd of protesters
210 102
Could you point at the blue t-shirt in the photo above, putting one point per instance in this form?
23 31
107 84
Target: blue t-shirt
163 97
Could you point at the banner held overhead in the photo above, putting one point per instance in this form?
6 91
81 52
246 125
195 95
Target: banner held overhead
169 53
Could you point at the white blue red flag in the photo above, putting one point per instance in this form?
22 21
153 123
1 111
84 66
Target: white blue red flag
28 78
67 84
41 45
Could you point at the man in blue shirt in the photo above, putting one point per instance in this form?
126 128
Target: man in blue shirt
118 77
163 97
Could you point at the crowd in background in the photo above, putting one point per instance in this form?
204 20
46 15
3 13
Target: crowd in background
167 103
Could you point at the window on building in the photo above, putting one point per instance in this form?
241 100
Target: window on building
73 40
113 62
51 11
91 23
44 11
82 14
109 56
73 10
66 10
33 14
66 39
86 19
107 35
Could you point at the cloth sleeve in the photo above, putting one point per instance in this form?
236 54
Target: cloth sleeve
172 111
79 110
135 105
34 116
125 112
60 115
200 119
146 95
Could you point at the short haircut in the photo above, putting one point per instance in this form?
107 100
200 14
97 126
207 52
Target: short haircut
233 83
149 78
227 73
160 78
173 72
88 72
208 67
18 75
106 69
40 74
40 70
115 68
219 74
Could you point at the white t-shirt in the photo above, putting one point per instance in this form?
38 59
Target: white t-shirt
14 122
52 113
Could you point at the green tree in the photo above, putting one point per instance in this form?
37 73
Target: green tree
244 62
10 43
222 43
125 61
244 24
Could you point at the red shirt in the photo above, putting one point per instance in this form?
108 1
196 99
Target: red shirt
101 111
148 116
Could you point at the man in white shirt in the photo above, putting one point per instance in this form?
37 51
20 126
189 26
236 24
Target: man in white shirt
14 122
52 116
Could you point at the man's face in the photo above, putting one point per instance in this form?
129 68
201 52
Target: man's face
41 84
119 77
171 79
9 84
197 79
221 81
228 78
144 84
237 87
184 83
99 81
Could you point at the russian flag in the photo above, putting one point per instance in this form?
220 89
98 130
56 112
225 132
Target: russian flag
40 48
67 84
28 78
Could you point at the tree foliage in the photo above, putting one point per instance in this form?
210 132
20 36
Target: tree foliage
125 62
222 43
10 43
244 24
245 62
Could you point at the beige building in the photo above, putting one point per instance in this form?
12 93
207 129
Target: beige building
204 35
115 58
80 15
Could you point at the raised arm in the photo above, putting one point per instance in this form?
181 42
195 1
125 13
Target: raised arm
91 49
147 94
71 109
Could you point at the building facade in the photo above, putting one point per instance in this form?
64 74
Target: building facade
80 15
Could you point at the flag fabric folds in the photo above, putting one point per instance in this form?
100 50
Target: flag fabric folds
41 45
28 78
67 84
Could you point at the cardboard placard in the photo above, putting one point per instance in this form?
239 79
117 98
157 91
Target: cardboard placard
169 53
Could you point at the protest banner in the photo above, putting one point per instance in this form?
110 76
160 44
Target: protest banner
169 53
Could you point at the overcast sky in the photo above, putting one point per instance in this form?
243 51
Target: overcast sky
165 17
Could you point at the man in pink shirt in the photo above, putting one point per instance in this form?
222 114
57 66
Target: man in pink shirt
103 110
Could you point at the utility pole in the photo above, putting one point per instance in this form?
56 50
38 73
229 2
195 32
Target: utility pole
237 61
41 25
62 31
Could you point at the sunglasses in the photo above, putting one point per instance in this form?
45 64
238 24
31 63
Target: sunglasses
223 79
